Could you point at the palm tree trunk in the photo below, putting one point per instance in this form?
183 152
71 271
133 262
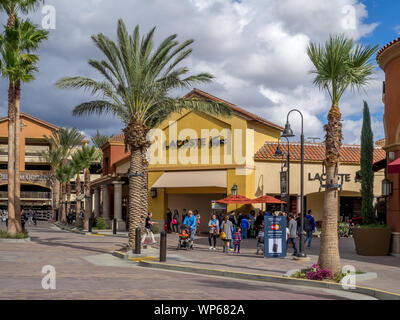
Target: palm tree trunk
78 220
136 214
145 197
329 257
87 199
60 200
17 156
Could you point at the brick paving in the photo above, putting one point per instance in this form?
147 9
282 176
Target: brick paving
387 268
79 276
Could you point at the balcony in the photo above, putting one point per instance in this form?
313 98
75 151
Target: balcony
29 195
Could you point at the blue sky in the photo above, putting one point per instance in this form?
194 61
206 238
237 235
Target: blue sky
256 49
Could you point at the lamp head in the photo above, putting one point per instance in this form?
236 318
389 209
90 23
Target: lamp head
278 152
288 132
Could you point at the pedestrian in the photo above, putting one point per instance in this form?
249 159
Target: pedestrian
34 218
169 220
309 227
149 229
227 228
259 221
298 220
191 222
292 233
175 221
245 226
30 217
197 215
184 214
23 219
232 218
213 232
252 215
237 239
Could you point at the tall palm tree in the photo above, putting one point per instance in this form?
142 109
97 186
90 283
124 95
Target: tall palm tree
78 166
62 178
87 156
69 172
137 79
339 65
53 158
12 8
18 64
99 140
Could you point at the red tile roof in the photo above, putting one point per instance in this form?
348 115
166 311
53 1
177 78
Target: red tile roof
23 114
315 152
118 138
242 112
386 47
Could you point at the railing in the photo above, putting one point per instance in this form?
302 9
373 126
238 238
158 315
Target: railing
28 195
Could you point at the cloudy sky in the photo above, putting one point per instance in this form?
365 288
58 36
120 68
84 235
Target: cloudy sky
256 49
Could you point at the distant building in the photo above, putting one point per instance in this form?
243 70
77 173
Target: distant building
388 59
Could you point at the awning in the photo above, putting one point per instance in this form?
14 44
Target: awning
192 179
235 200
394 167
268 200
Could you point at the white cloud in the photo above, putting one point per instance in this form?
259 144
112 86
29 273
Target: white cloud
256 49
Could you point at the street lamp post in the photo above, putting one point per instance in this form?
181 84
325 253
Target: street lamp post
287 133
279 153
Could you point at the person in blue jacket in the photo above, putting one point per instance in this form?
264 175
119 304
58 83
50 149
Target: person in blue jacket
245 225
191 222
309 227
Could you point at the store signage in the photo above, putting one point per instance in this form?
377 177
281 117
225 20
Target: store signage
275 237
217 206
28 177
192 143
322 177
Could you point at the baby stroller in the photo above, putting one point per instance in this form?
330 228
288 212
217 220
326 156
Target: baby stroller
184 238
260 242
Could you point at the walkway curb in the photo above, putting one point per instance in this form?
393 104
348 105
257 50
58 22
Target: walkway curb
25 240
376 293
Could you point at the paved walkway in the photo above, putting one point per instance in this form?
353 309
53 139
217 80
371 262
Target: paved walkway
387 268
85 269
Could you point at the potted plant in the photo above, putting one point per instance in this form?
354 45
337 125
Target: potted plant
371 238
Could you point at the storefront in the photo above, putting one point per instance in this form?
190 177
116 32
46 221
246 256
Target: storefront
197 158
268 169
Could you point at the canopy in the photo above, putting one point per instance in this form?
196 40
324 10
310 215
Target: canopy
192 179
236 200
268 200
394 167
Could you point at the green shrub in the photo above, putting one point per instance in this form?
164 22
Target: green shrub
6 235
344 230
374 225
100 224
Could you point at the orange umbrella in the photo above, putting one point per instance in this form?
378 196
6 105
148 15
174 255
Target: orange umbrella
268 200
236 200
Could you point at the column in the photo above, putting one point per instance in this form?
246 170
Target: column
97 202
106 203
121 226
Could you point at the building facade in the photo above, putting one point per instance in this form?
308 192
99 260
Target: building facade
35 174
198 158
388 59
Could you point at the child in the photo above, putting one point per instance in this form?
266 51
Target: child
237 238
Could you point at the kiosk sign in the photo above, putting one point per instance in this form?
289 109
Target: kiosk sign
274 237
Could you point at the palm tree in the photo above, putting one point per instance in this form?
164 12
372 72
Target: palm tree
77 164
53 158
339 64
87 156
99 140
13 7
136 82
62 178
66 140
69 172
18 64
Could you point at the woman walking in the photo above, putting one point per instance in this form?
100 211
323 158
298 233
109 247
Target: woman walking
227 228
213 232
175 221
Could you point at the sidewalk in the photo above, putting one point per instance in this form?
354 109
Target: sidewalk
387 267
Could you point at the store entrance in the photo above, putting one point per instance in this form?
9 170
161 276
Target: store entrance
349 208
